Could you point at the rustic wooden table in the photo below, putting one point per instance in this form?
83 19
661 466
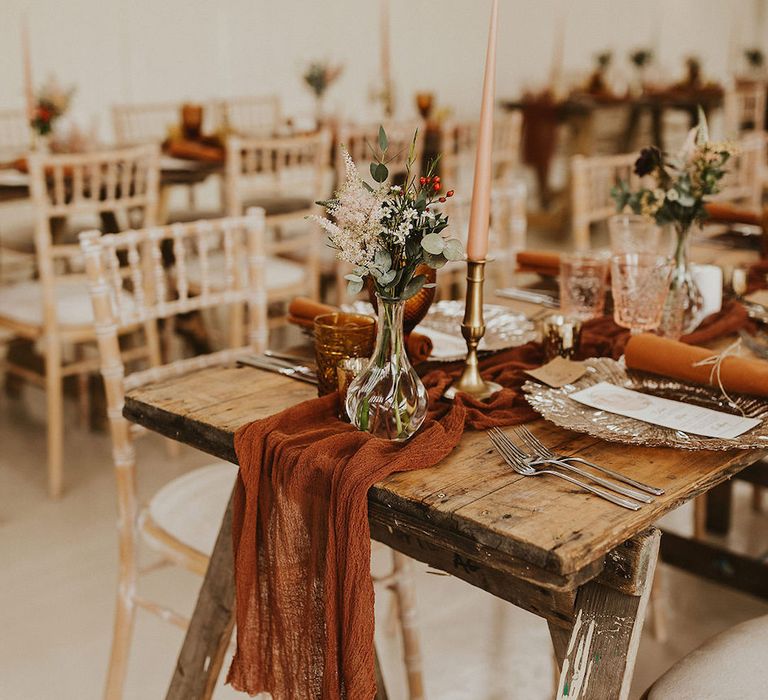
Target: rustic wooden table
583 564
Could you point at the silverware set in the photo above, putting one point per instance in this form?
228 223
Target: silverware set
532 296
285 364
530 457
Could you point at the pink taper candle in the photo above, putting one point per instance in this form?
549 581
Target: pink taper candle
479 216
26 59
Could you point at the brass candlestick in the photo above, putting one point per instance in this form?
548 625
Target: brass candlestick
473 329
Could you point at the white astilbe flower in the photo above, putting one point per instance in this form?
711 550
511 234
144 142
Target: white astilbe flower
357 212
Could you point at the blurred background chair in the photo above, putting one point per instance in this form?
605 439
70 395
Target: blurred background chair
181 520
54 309
252 116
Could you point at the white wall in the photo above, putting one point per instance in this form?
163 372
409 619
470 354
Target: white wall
148 50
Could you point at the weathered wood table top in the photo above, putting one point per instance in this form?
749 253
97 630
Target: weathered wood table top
546 524
581 563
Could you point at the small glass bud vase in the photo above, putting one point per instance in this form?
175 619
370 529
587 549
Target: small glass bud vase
387 399
683 309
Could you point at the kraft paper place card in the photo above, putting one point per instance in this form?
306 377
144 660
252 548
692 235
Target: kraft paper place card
558 372
669 414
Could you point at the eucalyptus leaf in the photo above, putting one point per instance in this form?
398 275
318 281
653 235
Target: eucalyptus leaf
353 278
413 287
379 172
453 250
433 243
354 287
382 259
434 261
383 140
387 278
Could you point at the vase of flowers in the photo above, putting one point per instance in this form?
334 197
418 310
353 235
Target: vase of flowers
681 185
319 76
640 59
51 103
386 232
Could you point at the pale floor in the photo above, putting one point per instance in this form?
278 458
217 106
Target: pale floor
58 577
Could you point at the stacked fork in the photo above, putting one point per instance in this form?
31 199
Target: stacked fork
529 464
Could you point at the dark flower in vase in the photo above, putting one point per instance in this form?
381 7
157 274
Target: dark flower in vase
650 159
755 58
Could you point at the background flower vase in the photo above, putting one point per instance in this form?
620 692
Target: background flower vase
683 309
387 399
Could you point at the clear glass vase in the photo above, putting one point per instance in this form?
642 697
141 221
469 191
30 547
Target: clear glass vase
683 309
387 399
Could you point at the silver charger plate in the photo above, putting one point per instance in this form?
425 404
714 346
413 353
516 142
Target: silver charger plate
556 406
503 328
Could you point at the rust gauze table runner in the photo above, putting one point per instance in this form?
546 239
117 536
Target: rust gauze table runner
305 599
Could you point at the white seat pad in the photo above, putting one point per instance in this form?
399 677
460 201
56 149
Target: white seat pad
730 666
24 302
280 272
190 507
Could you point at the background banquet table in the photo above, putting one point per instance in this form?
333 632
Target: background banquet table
540 545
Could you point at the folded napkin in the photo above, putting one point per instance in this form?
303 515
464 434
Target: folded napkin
677 360
723 213
541 262
304 595
302 312
194 150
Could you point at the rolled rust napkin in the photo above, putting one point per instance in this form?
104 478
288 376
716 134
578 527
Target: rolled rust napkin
302 312
194 150
723 213
677 360
541 262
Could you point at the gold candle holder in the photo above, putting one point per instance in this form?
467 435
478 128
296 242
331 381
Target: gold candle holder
473 329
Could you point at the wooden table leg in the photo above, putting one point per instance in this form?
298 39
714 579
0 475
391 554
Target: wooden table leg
597 658
210 629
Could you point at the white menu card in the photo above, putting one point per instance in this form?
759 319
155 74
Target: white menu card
665 412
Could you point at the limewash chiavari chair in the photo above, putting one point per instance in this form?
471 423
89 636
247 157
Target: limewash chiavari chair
252 116
744 108
54 309
180 522
507 233
592 178
458 145
151 122
15 133
358 139
285 176
743 181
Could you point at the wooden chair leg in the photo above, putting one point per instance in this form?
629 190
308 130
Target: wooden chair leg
405 593
122 634
381 688
55 415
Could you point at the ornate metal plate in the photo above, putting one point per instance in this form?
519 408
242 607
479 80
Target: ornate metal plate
556 406
503 328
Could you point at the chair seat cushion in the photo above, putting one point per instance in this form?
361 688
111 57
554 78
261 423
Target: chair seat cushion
23 302
191 506
730 666
272 205
277 205
281 273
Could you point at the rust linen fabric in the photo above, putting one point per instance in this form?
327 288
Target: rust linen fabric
301 538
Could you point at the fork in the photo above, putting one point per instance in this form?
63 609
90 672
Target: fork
525 469
547 454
